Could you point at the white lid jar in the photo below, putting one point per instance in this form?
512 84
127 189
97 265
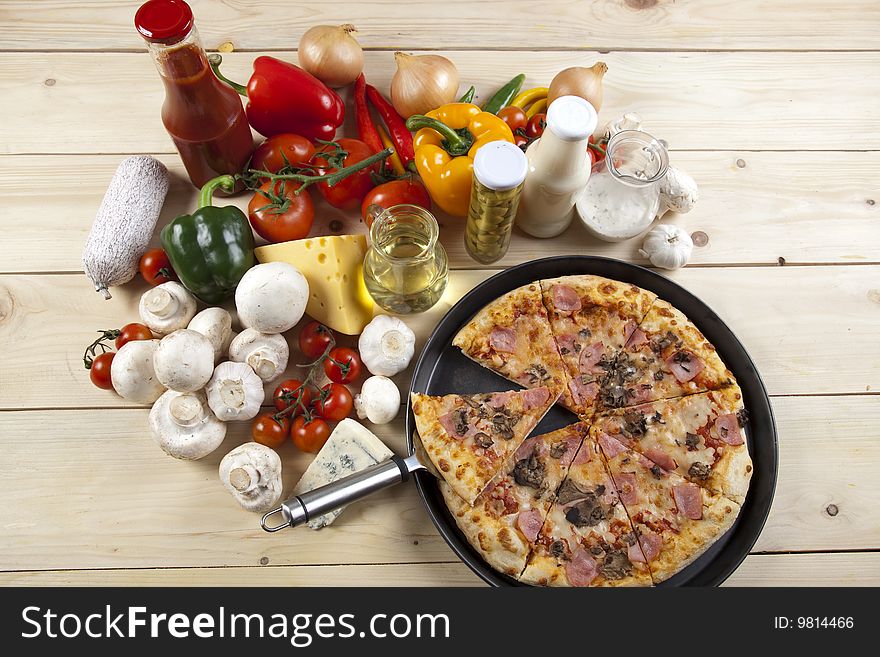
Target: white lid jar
559 167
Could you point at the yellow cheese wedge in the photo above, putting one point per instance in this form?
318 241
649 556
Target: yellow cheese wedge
334 268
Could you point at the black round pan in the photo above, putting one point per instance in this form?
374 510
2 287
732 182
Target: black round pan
443 369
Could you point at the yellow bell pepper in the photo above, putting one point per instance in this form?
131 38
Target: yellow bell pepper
447 140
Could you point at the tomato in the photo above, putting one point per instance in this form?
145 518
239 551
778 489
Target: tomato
99 372
309 435
290 393
536 125
279 214
343 366
334 403
133 331
395 192
156 268
270 431
521 140
272 153
349 192
314 338
514 117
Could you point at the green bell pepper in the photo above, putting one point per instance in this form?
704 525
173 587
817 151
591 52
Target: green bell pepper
212 248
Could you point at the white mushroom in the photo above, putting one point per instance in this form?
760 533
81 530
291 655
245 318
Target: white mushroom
266 354
183 425
386 345
678 192
184 361
132 375
167 307
271 297
235 392
216 325
252 473
378 401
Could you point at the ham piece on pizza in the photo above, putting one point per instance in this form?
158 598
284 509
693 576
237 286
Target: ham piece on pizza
511 336
665 357
700 437
469 437
676 521
506 518
591 318
587 538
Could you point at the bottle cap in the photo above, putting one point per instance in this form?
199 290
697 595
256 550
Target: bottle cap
164 21
571 118
500 165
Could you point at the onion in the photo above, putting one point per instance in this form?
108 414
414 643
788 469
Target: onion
579 81
422 83
331 54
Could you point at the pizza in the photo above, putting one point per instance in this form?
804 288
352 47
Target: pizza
511 336
507 516
662 465
591 319
469 437
699 437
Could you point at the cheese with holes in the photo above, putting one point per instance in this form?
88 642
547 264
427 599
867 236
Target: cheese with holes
333 266
350 448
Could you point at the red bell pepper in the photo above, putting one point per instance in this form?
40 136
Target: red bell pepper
284 98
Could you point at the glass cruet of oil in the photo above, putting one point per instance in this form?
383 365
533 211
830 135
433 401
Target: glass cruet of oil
406 268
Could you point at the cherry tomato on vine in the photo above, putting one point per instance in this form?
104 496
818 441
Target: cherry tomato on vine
99 372
343 365
292 393
278 214
536 125
156 268
272 153
334 403
395 192
131 332
314 338
270 431
520 140
514 117
349 192
309 435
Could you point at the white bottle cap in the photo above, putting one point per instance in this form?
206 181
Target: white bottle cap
571 118
500 165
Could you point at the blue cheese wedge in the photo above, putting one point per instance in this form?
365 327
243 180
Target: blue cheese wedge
350 448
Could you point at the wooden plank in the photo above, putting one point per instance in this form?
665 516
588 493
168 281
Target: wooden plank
570 25
798 323
754 207
843 569
126 504
700 100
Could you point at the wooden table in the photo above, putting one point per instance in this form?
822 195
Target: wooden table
772 107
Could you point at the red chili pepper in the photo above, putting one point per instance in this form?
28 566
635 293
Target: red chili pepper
366 129
284 98
397 130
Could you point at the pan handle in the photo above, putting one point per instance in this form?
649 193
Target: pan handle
300 508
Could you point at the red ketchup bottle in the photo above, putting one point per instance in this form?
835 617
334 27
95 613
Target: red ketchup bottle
204 117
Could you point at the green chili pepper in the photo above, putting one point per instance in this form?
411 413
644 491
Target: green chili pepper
504 95
212 248
468 95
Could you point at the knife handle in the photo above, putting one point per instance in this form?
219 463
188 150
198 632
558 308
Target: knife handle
329 497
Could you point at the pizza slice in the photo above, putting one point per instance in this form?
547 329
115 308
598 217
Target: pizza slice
511 336
665 357
587 538
505 519
700 437
469 437
591 318
676 521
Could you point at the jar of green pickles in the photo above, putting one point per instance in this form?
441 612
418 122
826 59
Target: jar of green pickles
499 172
406 268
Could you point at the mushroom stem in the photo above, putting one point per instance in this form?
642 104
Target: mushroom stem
244 478
186 410
161 302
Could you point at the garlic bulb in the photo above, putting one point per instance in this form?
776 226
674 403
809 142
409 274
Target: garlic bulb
667 246
387 345
235 392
